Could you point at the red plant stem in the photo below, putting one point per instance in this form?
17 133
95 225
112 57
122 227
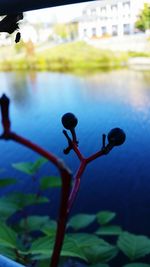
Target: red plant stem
76 185
95 156
21 140
66 184
77 177
62 220
77 151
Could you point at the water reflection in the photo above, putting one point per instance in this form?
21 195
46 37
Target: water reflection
130 87
120 181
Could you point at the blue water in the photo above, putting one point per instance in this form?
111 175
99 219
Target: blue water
119 181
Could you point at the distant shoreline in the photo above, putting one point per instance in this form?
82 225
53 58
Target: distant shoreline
76 57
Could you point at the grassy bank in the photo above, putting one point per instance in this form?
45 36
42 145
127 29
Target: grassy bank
69 57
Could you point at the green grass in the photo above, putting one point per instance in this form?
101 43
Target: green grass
139 54
70 57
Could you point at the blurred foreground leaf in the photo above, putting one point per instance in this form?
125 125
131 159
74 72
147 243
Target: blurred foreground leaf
81 221
109 230
104 217
50 182
30 168
96 250
8 237
35 222
134 246
43 248
7 181
7 208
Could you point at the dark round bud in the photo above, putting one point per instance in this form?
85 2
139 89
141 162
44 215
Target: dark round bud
116 136
69 121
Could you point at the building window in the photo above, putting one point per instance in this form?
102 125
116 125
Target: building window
126 6
103 10
114 8
85 32
93 32
84 12
104 30
114 30
93 11
126 29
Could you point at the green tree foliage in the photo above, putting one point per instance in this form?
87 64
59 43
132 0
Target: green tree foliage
143 23
68 30
61 30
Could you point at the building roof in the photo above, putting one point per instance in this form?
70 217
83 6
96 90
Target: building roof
103 3
19 6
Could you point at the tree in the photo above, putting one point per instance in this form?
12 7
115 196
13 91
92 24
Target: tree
61 30
143 23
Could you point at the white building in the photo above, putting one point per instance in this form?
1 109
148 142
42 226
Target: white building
110 18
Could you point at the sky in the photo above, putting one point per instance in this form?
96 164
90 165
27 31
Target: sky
60 14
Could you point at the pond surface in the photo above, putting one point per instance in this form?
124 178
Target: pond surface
119 181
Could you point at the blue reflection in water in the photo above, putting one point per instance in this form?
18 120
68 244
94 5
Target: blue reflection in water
119 181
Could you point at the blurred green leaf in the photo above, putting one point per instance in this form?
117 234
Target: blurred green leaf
29 168
8 252
43 263
43 248
109 230
72 249
101 253
50 181
35 222
7 181
99 265
81 221
140 264
50 228
7 208
84 239
95 250
7 236
104 217
22 200
134 246
39 163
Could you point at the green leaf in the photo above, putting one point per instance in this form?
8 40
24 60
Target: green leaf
43 263
134 246
140 264
7 236
50 228
86 240
7 181
39 163
50 181
97 254
30 168
109 230
7 208
8 252
81 221
99 265
25 167
104 217
96 250
72 249
35 222
42 248
22 200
